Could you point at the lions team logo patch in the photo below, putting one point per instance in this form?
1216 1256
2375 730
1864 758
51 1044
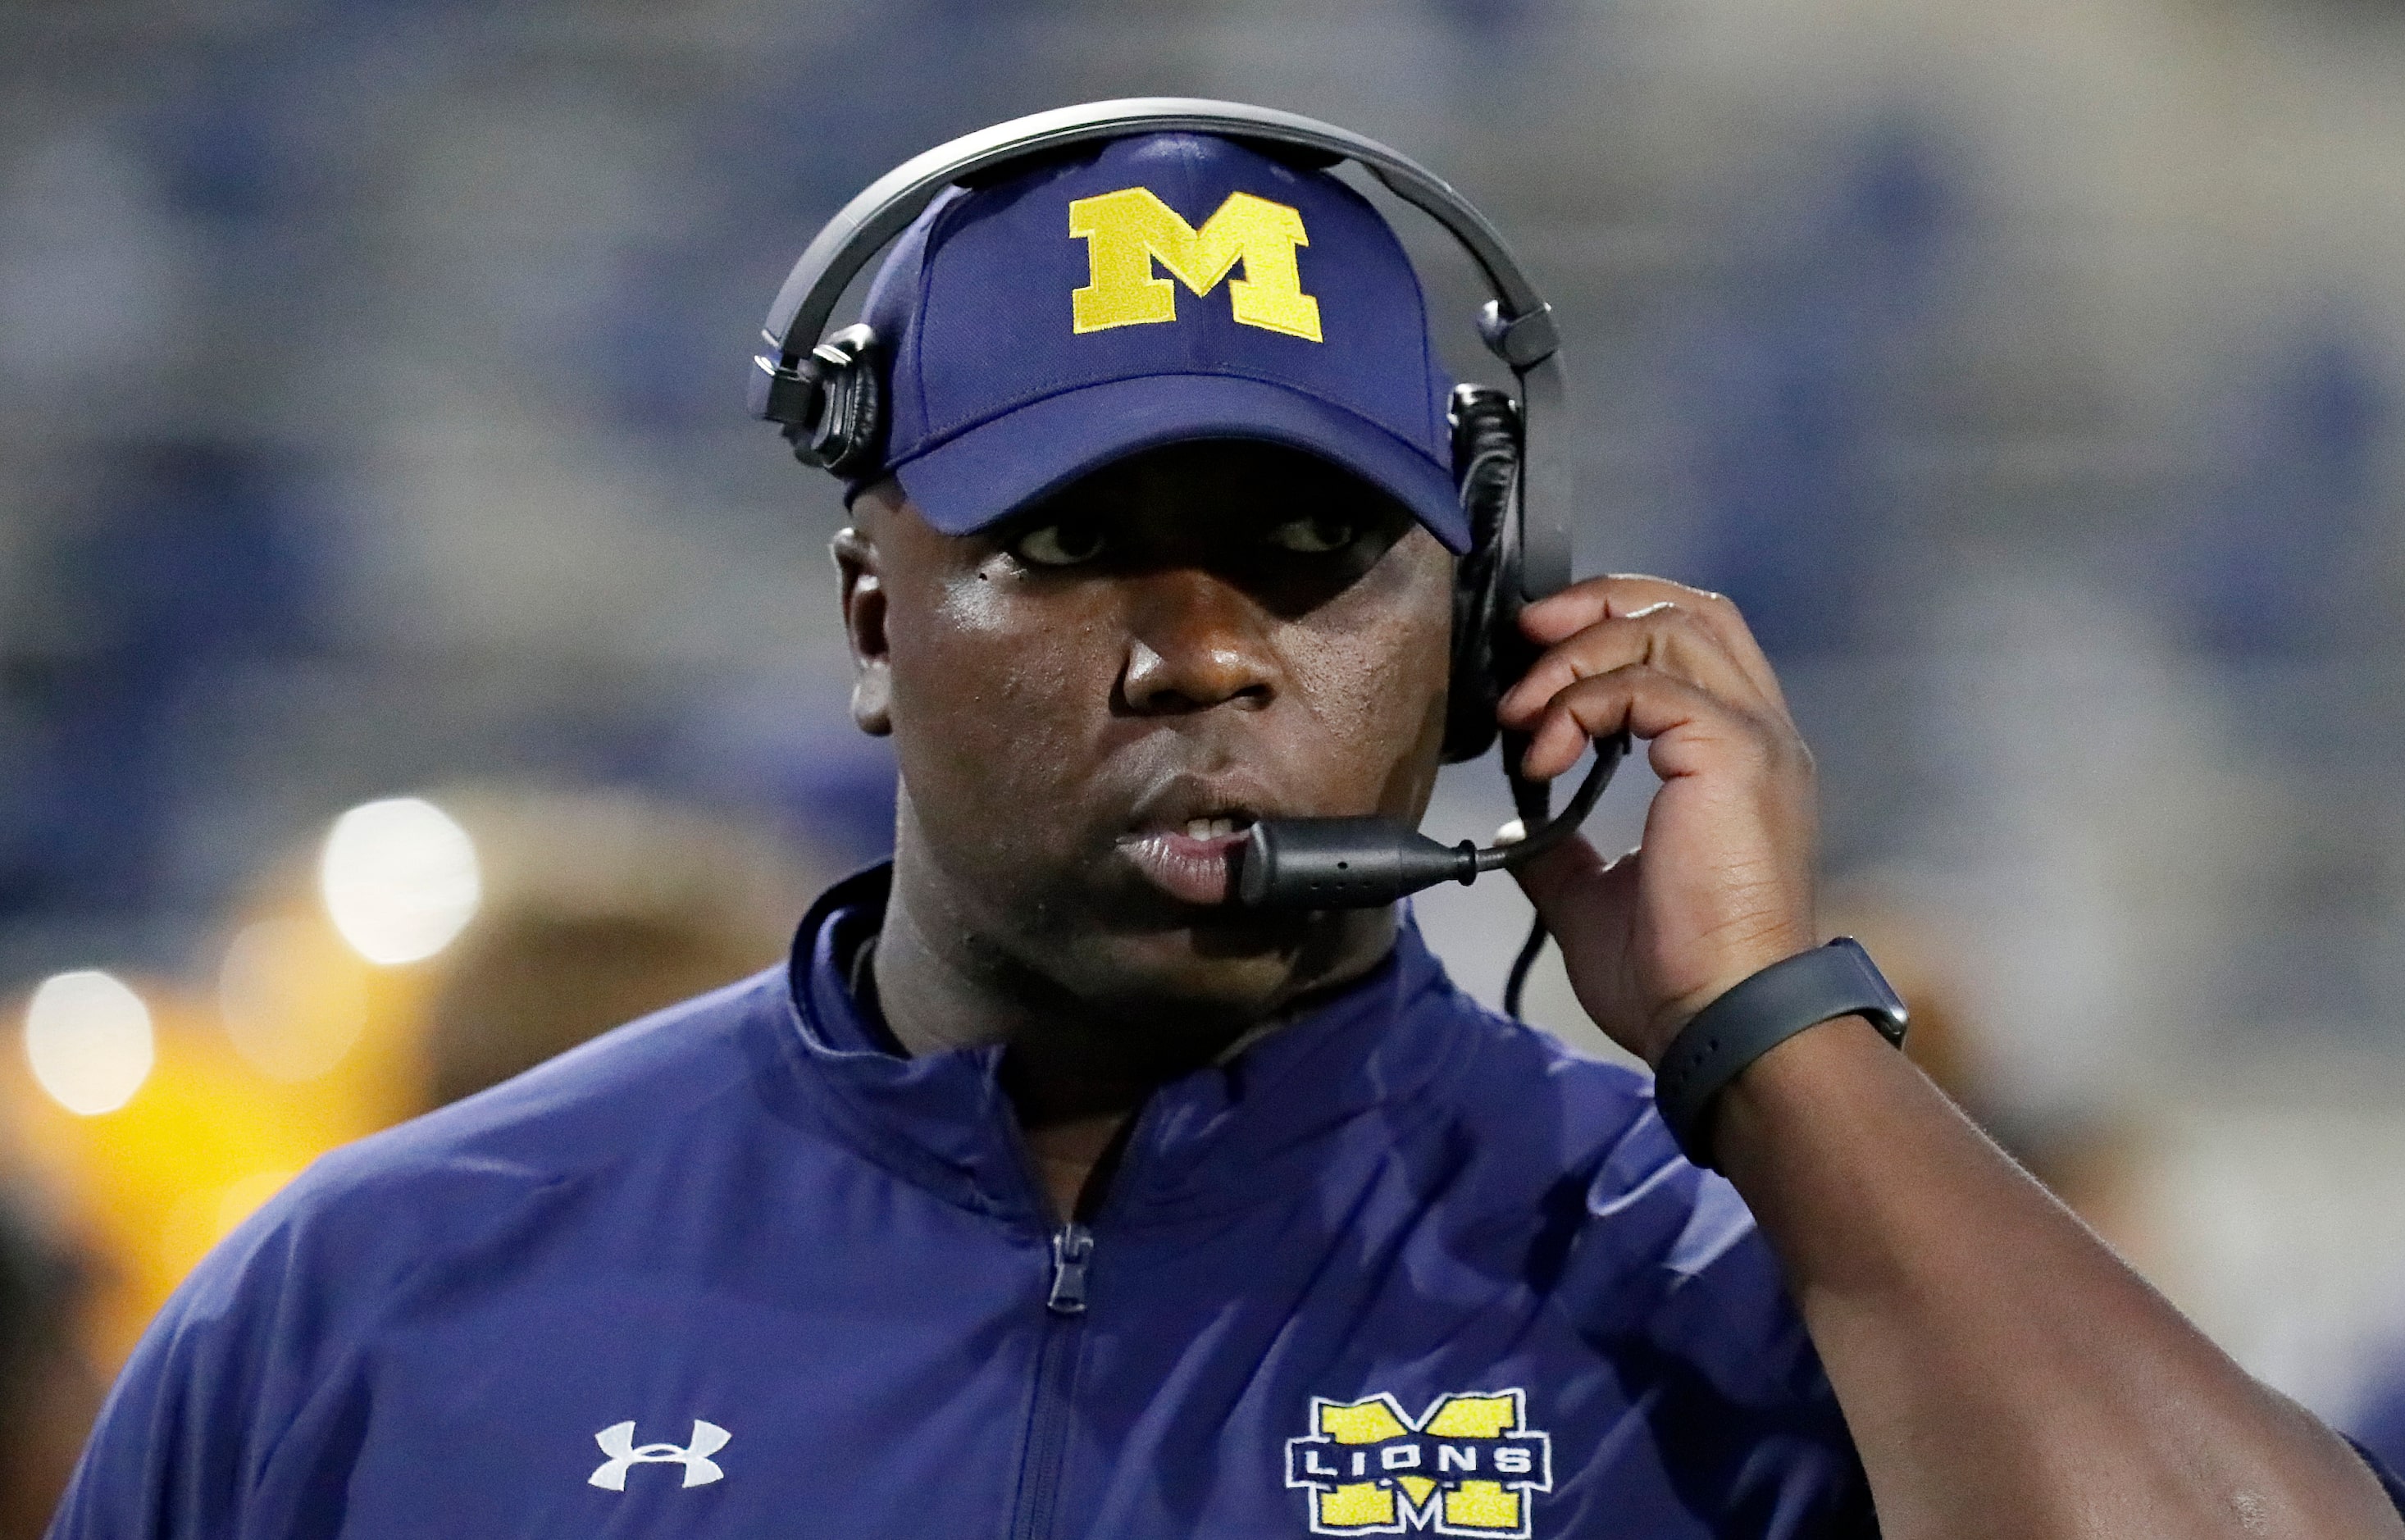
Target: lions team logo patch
1468 1464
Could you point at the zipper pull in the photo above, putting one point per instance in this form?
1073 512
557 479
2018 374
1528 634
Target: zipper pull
1073 1252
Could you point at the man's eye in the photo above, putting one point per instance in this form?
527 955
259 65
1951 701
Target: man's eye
1312 536
1065 545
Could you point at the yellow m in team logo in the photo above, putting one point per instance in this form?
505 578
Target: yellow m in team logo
1127 231
1469 1464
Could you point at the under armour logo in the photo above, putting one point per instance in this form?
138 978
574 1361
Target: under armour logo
617 1441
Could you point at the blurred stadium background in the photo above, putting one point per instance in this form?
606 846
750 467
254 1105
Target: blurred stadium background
371 451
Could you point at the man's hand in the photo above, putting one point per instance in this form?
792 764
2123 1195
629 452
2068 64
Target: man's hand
1721 885
2002 1372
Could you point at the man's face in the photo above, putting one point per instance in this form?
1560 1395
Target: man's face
1091 702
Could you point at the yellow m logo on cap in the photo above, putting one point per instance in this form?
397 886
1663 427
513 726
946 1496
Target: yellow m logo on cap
1127 231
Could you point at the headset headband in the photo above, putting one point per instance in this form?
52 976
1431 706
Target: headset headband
1516 325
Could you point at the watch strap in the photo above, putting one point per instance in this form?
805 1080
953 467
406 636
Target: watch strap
1755 1016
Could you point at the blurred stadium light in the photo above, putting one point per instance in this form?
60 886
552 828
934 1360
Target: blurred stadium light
400 878
87 1042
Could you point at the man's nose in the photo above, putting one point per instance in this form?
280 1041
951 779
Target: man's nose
1194 642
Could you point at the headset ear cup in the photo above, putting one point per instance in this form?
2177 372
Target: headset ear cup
1488 652
1472 698
848 430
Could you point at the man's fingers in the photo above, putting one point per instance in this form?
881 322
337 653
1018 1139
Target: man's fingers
1553 877
1559 617
1666 636
1587 900
1686 722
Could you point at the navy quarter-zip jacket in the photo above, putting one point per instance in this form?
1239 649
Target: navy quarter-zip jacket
1400 1267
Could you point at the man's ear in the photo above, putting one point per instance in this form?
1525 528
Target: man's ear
864 627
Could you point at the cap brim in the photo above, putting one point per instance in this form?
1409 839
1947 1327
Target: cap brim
974 478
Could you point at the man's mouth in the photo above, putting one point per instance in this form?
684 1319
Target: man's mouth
1193 861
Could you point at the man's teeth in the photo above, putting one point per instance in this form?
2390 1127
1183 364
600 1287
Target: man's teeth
1210 829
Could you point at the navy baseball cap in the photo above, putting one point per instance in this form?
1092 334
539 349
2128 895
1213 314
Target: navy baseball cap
1151 289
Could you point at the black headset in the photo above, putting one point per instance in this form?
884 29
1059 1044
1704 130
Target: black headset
826 393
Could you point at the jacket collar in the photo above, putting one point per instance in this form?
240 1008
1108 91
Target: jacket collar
943 1122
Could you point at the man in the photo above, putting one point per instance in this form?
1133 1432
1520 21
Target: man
1046 1193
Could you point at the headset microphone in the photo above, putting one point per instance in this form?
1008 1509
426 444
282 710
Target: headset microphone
1364 863
1360 863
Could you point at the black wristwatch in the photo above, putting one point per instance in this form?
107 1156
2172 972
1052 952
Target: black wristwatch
1757 1015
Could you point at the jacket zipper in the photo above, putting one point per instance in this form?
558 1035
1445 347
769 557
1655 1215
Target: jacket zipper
1056 1369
